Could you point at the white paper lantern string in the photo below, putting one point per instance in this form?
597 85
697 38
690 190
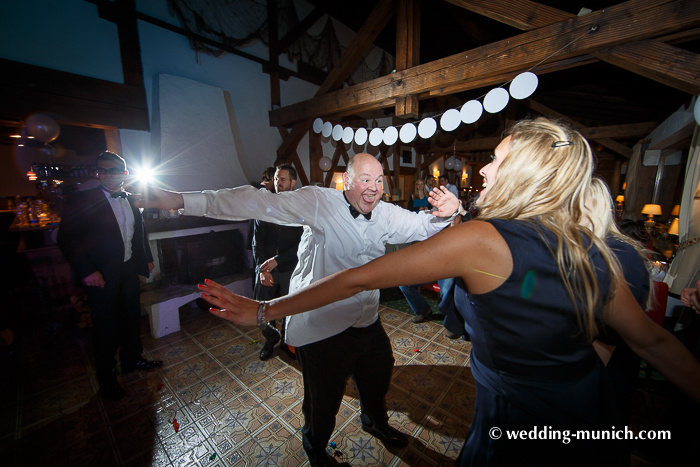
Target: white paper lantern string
360 136
376 137
450 120
337 132
496 100
348 134
427 127
408 133
391 134
327 129
523 85
471 111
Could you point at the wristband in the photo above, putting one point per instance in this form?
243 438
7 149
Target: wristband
262 324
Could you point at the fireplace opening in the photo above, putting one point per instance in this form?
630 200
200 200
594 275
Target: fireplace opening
193 258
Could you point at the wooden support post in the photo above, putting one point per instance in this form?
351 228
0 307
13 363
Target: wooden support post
275 98
315 155
407 50
334 166
397 166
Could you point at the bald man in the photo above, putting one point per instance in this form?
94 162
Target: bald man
345 339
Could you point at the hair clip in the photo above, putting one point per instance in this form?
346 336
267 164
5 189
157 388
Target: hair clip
561 144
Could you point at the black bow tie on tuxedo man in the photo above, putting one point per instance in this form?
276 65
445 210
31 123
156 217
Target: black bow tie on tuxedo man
354 212
119 194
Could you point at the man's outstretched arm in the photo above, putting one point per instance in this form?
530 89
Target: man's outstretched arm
152 197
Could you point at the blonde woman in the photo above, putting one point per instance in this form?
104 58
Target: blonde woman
538 282
419 199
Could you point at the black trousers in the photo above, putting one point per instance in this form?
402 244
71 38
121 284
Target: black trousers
116 320
279 289
361 353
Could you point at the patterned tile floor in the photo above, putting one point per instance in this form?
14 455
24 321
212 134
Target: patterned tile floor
232 409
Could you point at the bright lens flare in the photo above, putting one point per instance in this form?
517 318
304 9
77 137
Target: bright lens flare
145 175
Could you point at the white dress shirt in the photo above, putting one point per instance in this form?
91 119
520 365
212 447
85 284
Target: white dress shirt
332 241
125 218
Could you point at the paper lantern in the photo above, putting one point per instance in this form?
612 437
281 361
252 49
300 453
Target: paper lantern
325 163
408 133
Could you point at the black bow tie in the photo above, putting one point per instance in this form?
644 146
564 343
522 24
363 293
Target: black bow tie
119 194
354 213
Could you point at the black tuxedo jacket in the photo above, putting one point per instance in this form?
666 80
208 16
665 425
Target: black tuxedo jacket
278 241
90 239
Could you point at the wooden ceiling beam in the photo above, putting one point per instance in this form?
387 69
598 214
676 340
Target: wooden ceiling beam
652 59
627 22
611 144
521 14
660 62
407 51
360 44
292 36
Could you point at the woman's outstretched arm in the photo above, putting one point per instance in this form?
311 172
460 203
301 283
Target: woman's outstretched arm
654 344
473 251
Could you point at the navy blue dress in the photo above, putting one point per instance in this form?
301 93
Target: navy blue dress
533 369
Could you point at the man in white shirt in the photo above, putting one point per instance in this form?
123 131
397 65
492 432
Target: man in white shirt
346 339
444 181
103 238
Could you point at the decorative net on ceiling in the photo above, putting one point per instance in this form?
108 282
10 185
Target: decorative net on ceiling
237 23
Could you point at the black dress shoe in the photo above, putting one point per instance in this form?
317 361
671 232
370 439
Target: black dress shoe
267 349
388 435
322 460
112 391
141 364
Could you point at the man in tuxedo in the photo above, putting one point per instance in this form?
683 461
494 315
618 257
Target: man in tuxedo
275 252
102 236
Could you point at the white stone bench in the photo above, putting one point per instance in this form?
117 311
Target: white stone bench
162 304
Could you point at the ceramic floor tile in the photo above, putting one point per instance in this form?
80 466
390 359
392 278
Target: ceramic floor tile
237 349
200 324
40 407
215 336
152 343
227 403
425 330
83 421
92 450
405 343
392 317
134 435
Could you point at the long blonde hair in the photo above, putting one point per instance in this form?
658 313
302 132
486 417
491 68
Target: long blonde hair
545 179
598 217
419 194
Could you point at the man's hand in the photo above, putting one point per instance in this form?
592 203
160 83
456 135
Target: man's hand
151 267
153 197
268 265
444 201
94 280
266 279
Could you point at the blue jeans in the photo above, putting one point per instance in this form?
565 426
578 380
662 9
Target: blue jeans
416 301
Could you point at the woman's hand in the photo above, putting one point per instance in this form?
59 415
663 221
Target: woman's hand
228 305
